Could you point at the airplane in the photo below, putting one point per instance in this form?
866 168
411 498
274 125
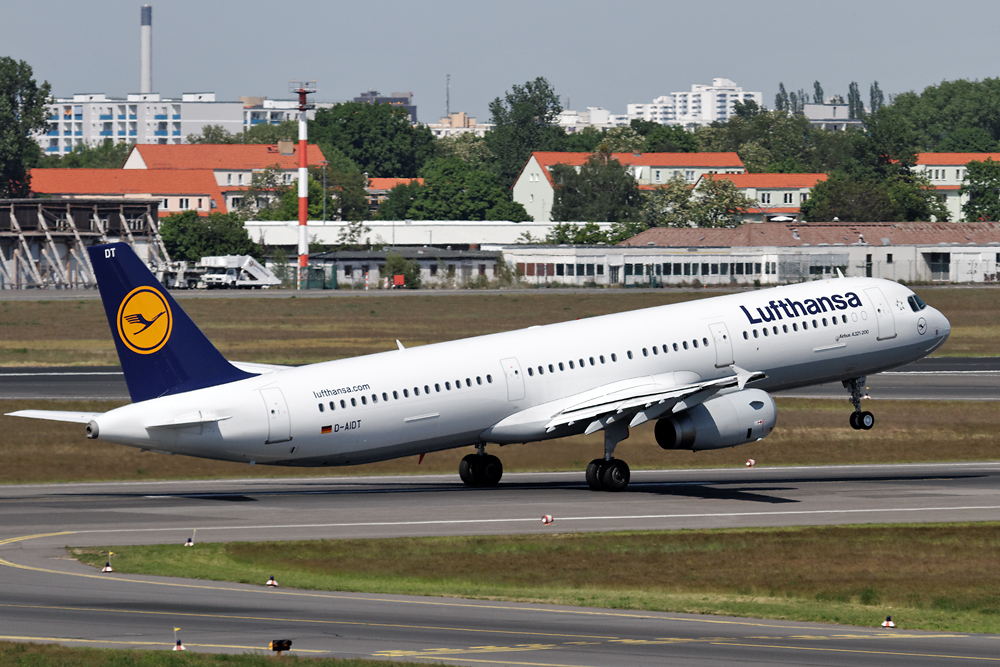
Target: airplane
682 366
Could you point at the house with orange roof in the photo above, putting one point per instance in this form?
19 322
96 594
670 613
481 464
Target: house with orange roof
378 189
947 171
178 190
778 196
233 165
535 190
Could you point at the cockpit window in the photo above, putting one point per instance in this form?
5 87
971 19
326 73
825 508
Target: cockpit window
916 305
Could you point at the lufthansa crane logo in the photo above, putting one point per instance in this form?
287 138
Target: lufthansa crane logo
144 320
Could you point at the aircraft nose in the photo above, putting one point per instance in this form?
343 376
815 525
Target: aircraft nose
942 327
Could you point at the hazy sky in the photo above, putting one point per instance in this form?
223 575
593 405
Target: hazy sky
594 53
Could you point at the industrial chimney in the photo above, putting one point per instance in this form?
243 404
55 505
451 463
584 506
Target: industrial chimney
146 34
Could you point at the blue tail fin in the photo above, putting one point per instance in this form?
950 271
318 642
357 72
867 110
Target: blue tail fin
161 350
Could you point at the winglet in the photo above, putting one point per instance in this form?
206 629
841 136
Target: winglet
399 345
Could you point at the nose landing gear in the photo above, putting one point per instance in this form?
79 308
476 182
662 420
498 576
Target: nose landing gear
860 420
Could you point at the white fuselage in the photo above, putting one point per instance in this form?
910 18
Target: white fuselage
452 394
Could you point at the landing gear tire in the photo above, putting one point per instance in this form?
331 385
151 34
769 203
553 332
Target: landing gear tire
466 468
866 420
480 470
855 424
490 470
595 470
615 475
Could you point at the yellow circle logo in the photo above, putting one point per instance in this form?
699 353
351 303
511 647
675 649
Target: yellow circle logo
144 320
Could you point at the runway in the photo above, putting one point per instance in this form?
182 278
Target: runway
952 378
48 597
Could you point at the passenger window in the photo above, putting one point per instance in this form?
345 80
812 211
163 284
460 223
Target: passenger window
805 325
364 401
614 357
489 379
395 396
592 362
746 336
416 391
468 382
333 406
685 344
824 321
541 371
795 327
354 402
764 330
479 380
601 357
552 369
321 407
427 389
675 347
374 398
815 326
704 341
342 403
437 387
784 328
774 329
629 353
655 351
447 385
385 396
531 373
583 364
406 393
844 318
664 349
571 364
561 367
645 352
695 343
755 333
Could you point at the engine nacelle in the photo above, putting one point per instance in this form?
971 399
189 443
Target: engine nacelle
722 421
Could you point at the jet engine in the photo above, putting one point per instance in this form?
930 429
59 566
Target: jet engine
721 421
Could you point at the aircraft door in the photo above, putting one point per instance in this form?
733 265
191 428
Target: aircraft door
883 315
279 425
515 383
723 345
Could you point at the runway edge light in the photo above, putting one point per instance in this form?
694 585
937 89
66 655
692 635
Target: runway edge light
887 623
547 519
271 582
279 645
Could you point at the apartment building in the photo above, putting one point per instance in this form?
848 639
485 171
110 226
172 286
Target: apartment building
778 196
700 106
91 119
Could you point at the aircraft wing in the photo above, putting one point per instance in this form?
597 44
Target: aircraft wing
643 402
57 415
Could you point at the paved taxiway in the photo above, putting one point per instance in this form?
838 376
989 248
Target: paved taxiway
973 379
47 597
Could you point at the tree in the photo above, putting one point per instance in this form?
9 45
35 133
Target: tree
397 203
715 202
378 138
453 190
588 233
667 138
467 147
523 121
781 99
848 200
818 93
349 192
108 155
397 265
623 140
190 237
264 133
876 99
287 206
950 109
267 188
603 189
855 108
981 186
22 115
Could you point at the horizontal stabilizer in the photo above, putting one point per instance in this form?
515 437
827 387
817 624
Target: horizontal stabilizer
193 419
258 369
57 415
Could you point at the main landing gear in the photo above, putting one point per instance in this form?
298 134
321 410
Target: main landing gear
480 469
609 473
859 420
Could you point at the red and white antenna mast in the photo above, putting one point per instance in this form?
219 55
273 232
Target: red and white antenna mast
303 88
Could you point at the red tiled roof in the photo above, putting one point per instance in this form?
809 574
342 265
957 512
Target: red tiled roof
813 234
223 156
954 159
153 183
389 183
772 180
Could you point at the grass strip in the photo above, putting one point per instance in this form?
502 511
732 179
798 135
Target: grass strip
929 576
809 432
299 331
55 655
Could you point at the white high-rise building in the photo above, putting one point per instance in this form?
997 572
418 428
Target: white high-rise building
702 105
138 119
